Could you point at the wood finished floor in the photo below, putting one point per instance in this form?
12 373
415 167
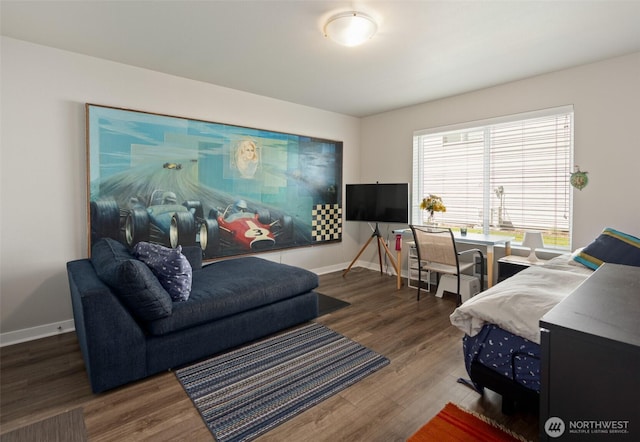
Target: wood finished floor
42 378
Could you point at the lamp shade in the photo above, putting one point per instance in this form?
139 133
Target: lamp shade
533 240
350 28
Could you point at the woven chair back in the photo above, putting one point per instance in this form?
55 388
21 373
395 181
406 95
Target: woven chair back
435 245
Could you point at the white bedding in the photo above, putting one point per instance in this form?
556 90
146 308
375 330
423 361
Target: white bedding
517 304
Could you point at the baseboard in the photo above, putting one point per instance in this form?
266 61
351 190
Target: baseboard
387 269
41 331
330 269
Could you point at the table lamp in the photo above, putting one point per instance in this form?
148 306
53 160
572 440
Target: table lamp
533 240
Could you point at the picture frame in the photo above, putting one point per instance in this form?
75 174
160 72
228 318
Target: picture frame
230 190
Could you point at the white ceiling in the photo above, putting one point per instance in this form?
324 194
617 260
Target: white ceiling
424 50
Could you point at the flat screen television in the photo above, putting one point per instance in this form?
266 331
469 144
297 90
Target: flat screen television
380 203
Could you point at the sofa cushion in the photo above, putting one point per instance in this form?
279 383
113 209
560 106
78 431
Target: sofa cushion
236 285
194 255
131 279
170 266
611 246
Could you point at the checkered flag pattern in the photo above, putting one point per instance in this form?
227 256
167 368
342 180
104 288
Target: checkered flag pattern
326 222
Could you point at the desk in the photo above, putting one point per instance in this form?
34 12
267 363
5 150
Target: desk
478 239
489 241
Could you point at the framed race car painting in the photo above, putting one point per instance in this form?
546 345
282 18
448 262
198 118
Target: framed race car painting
228 189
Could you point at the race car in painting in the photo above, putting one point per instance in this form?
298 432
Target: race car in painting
251 229
160 220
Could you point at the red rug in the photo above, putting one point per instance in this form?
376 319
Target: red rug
455 424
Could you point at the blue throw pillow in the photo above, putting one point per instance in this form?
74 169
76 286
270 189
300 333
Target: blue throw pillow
132 281
613 247
170 266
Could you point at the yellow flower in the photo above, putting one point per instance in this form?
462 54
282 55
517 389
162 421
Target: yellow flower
433 203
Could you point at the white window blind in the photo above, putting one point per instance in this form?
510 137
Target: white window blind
504 175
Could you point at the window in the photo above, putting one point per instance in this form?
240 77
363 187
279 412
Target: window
500 176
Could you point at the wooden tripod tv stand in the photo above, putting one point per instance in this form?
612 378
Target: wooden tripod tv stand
380 240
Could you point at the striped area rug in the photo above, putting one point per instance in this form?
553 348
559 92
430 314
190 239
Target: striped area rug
246 392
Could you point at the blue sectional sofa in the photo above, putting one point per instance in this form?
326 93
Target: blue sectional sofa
129 328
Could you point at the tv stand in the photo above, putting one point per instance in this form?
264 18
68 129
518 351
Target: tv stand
376 234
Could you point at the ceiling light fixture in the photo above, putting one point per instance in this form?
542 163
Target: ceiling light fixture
350 28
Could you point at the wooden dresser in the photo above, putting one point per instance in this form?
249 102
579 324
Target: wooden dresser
590 345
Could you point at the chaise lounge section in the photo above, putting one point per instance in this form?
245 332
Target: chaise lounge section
129 328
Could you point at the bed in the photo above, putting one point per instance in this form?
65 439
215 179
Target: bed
502 337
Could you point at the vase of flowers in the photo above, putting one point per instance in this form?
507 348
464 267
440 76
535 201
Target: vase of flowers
432 204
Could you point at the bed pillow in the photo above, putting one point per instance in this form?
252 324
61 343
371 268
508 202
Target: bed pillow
170 266
611 246
131 279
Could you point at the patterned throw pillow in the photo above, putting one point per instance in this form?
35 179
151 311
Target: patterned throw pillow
611 246
170 266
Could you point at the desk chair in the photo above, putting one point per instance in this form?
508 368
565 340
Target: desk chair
437 253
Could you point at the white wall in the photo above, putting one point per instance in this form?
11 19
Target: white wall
43 164
606 99
43 157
